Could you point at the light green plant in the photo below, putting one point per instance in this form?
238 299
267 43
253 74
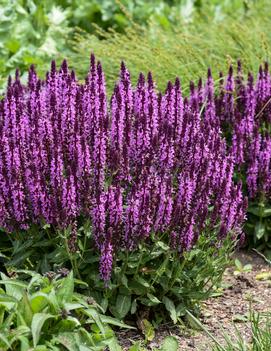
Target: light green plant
31 32
47 314
240 268
185 50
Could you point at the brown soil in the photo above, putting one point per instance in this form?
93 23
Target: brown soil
226 311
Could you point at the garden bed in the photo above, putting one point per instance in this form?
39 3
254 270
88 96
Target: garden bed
228 310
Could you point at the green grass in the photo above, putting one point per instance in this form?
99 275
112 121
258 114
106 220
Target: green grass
260 340
186 50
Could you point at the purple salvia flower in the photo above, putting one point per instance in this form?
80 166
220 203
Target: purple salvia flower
106 261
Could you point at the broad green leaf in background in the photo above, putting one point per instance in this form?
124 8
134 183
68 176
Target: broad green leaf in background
24 307
169 304
37 323
123 305
66 289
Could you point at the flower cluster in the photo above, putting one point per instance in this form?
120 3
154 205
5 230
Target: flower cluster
137 165
248 124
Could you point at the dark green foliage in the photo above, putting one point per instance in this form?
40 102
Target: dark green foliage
258 227
151 279
161 284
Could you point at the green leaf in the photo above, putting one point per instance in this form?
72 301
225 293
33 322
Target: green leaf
38 303
124 281
260 211
50 298
7 298
170 307
116 322
92 313
68 340
192 321
247 267
142 281
68 324
65 292
136 287
180 309
80 282
267 212
113 344
238 264
123 305
20 257
13 45
4 340
153 299
24 343
259 230
72 306
169 344
13 287
25 309
37 323
162 245
134 307
136 347
104 304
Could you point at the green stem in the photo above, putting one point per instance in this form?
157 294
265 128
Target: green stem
124 267
178 270
139 263
72 260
